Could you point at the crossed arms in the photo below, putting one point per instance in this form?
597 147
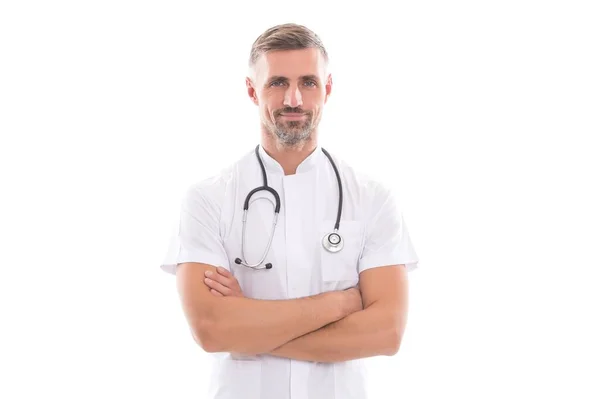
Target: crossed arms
328 327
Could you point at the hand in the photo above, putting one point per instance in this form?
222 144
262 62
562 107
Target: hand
222 283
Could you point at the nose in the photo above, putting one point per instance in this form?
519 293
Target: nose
293 97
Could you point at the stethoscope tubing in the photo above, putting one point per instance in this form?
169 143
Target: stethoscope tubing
327 240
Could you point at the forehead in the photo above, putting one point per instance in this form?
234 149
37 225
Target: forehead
290 63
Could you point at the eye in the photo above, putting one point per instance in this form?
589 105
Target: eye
276 83
311 83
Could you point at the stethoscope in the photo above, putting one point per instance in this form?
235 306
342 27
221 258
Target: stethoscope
332 242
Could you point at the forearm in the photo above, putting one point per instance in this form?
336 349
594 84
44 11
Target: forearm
370 332
251 326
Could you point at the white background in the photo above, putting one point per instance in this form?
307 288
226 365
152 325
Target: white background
482 116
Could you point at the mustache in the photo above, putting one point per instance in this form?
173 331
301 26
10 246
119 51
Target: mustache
289 110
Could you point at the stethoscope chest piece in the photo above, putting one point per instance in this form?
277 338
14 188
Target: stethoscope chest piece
333 242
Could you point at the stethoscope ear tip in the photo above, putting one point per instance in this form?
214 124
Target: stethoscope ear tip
268 265
238 260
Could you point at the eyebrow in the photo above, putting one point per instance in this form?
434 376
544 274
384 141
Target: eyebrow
284 79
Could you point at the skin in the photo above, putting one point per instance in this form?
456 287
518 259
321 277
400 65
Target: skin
284 83
250 326
376 329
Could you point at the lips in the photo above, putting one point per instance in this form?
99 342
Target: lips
293 116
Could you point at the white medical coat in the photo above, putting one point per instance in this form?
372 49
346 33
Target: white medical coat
210 230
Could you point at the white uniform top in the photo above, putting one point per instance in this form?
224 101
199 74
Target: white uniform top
210 231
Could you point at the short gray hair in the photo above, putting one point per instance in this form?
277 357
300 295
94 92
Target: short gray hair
286 37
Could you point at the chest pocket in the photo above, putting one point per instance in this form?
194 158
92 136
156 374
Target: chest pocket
339 270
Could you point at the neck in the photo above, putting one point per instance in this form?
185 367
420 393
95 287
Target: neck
289 157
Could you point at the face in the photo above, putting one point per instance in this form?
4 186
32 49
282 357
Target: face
290 87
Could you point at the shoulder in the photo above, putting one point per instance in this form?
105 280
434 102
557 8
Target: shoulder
369 187
214 189
211 188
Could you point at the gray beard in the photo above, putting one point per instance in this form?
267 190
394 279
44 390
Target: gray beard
291 134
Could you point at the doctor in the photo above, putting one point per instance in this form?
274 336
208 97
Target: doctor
291 265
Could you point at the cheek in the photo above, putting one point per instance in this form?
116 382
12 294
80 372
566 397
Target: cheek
269 105
267 113
313 101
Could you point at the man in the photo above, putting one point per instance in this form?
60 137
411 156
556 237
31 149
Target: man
288 309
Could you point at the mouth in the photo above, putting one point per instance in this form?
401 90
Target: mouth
293 116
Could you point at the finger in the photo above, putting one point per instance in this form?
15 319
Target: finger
225 281
231 282
224 272
215 292
217 286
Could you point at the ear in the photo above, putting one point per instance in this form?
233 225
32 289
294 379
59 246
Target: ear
251 91
328 86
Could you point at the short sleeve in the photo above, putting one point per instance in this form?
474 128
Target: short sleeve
387 240
195 236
